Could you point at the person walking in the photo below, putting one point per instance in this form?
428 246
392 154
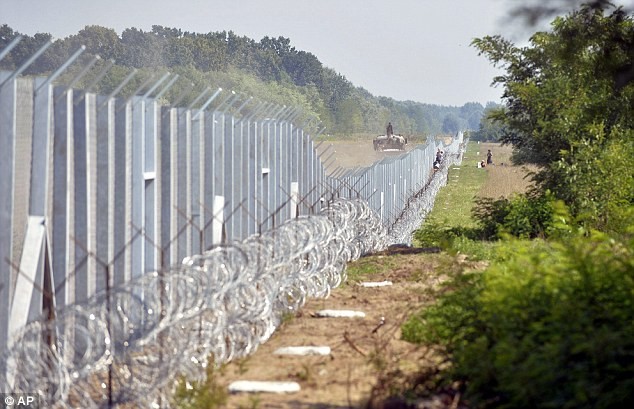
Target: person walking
489 157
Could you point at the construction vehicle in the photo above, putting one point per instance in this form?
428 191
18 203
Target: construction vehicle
391 142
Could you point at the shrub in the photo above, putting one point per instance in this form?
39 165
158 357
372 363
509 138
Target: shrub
550 327
522 216
596 180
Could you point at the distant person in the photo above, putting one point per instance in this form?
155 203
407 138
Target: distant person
482 164
489 157
389 131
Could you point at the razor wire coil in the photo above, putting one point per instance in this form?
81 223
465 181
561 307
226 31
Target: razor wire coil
124 345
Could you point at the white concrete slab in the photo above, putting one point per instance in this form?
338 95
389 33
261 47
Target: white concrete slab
340 314
375 283
264 386
303 350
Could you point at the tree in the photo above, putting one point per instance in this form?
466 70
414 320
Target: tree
489 130
271 69
450 124
141 49
349 117
566 93
98 41
471 112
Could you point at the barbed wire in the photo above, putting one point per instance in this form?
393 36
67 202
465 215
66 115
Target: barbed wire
421 203
126 344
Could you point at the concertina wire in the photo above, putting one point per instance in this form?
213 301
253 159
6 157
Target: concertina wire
127 346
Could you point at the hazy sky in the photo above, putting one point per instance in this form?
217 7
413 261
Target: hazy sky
405 49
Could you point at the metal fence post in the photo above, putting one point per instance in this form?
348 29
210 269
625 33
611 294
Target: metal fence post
62 194
196 177
182 141
120 218
83 196
151 145
7 158
166 184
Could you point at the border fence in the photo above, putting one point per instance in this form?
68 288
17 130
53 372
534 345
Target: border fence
133 232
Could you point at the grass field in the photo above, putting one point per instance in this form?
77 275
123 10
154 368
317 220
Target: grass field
503 178
467 182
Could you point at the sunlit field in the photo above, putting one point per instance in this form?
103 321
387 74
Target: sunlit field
503 179
465 183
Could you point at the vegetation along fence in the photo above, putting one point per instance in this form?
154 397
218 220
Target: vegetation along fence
138 238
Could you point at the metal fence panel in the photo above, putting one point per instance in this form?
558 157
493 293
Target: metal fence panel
125 187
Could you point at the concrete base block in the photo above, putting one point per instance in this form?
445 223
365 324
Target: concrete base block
340 314
303 350
263 386
376 284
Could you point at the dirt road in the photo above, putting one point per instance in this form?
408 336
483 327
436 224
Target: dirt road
364 354
350 154
364 351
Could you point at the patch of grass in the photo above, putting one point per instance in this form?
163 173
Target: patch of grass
204 394
243 365
503 179
452 207
451 224
366 267
407 267
476 249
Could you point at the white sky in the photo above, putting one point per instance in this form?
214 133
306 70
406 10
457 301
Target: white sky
405 49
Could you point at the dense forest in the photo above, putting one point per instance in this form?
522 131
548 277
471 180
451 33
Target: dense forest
269 70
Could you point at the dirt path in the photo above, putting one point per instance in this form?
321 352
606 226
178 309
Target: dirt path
362 349
364 353
350 154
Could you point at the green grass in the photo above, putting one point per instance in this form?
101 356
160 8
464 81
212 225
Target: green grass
366 267
454 202
451 225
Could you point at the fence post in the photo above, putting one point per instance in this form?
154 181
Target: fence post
121 214
151 146
218 219
294 200
84 194
104 185
62 192
7 158
166 185
207 163
195 177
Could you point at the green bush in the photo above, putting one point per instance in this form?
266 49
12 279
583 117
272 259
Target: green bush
465 240
550 327
522 216
596 180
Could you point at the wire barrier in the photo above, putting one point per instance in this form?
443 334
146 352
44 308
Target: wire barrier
126 344
420 204
104 192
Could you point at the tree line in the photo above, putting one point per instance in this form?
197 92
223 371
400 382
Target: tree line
269 70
